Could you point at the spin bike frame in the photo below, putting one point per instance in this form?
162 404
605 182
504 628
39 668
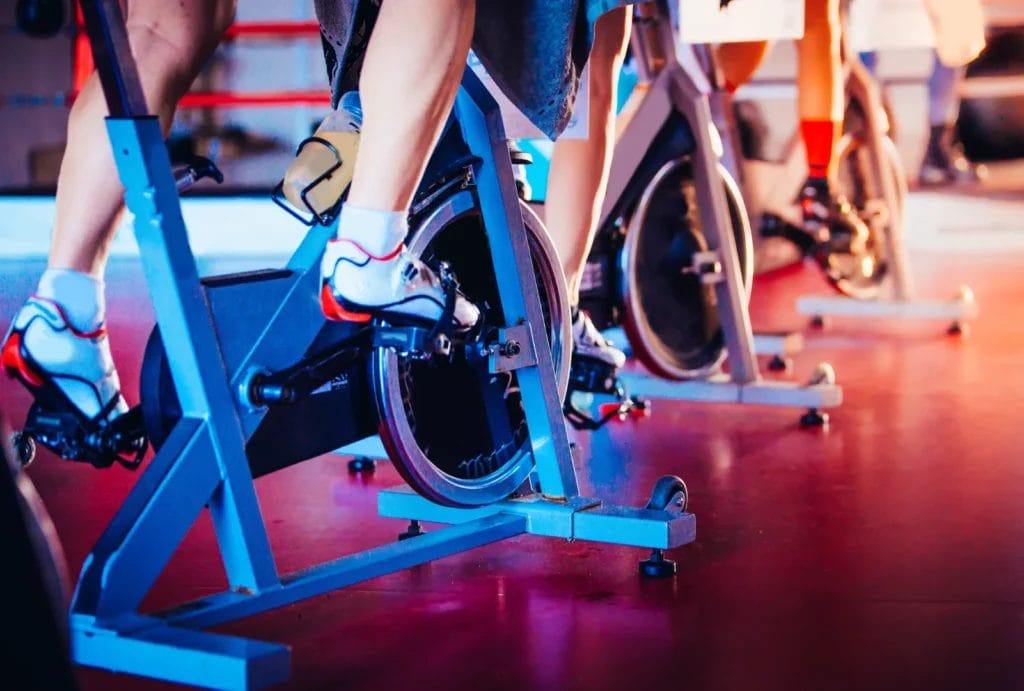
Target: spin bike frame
203 461
890 192
669 87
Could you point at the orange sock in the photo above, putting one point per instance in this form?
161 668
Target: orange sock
819 138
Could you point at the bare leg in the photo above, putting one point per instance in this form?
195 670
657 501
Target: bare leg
828 215
820 85
176 39
410 75
579 168
413 67
739 61
57 346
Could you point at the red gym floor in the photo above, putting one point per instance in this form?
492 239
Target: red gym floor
884 552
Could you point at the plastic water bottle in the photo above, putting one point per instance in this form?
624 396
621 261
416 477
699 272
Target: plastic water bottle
322 169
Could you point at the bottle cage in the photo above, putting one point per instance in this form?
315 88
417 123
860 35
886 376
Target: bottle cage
323 218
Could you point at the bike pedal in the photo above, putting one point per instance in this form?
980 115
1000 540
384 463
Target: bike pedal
614 412
629 409
593 376
775 227
640 408
101 445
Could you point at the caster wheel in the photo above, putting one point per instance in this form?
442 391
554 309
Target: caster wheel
414 530
817 322
669 494
780 364
814 418
657 566
824 375
362 465
24 447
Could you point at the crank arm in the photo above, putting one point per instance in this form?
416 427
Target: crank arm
775 227
294 383
290 385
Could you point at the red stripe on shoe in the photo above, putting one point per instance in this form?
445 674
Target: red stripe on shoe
96 333
13 361
386 258
333 310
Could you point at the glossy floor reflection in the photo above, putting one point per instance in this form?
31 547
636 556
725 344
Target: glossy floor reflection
883 552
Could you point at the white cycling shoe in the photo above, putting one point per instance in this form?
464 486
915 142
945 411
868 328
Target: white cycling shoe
588 342
64 368
357 286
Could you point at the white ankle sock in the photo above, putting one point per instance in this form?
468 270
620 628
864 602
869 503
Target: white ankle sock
79 294
377 232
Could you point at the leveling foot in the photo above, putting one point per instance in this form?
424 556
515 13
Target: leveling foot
657 566
814 418
414 530
362 465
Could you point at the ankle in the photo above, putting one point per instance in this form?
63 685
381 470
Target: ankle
938 151
817 187
379 234
820 137
80 296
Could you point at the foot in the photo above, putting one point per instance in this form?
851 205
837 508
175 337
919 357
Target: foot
358 286
831 220
588 342
944 161
946 170
65 369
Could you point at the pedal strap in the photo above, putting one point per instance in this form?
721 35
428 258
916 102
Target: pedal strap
439 339
123 439
127 439
106 410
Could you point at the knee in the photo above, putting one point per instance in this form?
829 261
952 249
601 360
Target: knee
611 36
739 61
178 40
224 17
